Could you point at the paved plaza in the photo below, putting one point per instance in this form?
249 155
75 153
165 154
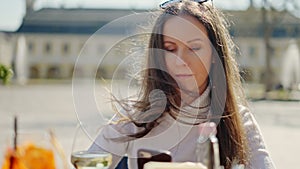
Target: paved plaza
50 106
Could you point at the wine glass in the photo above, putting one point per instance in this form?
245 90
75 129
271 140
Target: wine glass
81 157
207 150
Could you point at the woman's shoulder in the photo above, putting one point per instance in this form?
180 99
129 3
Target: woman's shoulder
247 116
243 109
259 156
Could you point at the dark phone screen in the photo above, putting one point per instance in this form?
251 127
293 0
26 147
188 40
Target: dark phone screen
146 155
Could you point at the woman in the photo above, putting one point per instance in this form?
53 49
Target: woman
191 78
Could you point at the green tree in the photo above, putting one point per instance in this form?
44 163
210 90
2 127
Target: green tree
6 74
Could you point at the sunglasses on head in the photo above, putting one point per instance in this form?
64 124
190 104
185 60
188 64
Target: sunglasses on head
164 5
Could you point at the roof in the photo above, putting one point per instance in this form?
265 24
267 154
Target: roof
88 21
249 23
77 20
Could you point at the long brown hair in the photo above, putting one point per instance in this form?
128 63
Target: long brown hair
226 97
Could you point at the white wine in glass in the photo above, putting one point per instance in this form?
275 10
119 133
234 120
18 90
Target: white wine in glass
81 158
91 160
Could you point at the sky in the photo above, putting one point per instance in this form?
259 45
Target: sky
12 11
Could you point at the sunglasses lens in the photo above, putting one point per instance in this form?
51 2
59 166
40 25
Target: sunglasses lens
164 5
167 3
200 1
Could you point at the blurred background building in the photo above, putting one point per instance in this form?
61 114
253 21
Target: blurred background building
54 37
249 34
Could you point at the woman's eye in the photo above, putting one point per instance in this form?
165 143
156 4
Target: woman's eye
170 49
195 48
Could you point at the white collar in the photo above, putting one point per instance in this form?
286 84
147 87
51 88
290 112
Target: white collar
197 111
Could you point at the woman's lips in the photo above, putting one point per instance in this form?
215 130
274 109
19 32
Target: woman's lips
184 75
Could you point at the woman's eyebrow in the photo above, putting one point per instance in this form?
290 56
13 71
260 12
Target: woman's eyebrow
197 39
189 41
168 42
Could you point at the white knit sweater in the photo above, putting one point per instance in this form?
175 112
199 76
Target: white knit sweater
177 137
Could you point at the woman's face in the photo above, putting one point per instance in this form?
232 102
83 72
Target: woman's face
188 52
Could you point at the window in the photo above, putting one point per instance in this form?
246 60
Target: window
30 47
48 48
252 51
34 72
65 49
53 72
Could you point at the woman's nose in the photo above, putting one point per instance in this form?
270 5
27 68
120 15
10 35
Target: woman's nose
180 57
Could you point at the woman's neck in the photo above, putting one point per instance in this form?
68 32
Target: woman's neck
188 97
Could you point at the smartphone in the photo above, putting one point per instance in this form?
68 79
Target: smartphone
146 155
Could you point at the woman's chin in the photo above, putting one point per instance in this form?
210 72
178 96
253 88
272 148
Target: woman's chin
191 90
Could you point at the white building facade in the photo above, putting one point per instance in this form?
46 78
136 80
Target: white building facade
55 38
